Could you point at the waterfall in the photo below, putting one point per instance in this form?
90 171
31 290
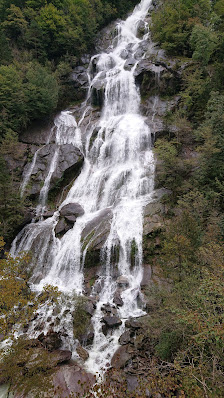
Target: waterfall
118 174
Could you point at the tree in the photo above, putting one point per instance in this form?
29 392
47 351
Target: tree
41 91
15 24
203 42
12 99
181 239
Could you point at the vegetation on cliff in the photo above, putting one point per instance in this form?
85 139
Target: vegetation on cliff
187 323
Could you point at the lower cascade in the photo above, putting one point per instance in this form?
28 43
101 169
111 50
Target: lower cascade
104 204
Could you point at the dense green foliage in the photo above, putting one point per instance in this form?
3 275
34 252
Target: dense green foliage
38 39
191 254
199 34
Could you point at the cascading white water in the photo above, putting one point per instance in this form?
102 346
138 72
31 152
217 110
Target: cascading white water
118 174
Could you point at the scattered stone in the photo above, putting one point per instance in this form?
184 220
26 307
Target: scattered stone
121 357
123 282
72 209
132 323
117 299
112 321
125 338
132 383
51 341
83 354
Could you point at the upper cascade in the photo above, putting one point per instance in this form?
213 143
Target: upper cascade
117 177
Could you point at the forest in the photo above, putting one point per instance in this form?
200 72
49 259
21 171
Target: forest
41 42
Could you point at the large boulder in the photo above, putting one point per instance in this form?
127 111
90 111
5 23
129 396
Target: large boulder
51 341
112 321
71 380
68 216
94 235
62 227
121 357
71 210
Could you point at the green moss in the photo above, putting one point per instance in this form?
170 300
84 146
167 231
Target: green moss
81 319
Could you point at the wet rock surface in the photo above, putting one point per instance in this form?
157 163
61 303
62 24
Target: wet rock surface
71 210
51 341
112 321
83 354
121 357
72 379
69 161
94 235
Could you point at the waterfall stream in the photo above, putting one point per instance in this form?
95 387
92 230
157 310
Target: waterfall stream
118 176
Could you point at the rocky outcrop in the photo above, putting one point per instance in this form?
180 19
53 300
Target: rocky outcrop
112 321
71 211
39 133
121 357
154 213
95 235
68 215
69 160
72 380
51 341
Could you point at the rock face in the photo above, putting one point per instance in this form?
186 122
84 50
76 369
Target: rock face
72 380
95 235
70 160
121 357
51 341
71 210
83 354
154 213
112 321
68 216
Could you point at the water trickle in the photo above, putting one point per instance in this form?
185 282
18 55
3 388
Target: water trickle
118 174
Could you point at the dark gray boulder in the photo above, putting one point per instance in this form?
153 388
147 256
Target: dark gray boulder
121 357
129 63
133 323
71 211
112 321
62 227
117 299
125 338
